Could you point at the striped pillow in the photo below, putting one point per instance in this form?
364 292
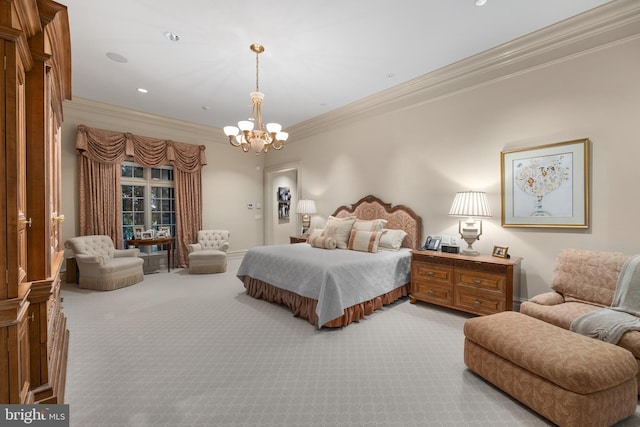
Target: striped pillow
365 241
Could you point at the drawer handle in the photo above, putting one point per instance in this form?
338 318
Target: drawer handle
430 273
477 281
430 292
476 302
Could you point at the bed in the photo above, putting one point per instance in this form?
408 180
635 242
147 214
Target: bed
333 288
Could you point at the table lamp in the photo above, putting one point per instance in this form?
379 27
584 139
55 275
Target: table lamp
306 208
470 204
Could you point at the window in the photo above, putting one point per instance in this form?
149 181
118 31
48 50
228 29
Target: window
148 199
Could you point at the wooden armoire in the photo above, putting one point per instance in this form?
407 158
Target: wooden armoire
34 81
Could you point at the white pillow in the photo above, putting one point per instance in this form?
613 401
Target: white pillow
370 225
365 241
315 234
391 240
340 230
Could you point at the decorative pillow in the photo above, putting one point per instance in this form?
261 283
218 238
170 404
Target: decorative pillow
371 225
339 229
391 240
315 234
322 242
365 241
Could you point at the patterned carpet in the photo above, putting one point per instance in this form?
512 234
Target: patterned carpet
194 350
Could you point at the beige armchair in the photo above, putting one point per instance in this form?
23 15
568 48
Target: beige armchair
101 266
209 254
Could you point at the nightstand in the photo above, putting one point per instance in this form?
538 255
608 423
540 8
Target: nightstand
480 284
297 239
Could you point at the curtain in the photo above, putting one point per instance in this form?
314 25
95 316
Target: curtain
100 153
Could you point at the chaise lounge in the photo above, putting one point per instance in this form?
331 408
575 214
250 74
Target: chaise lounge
583 281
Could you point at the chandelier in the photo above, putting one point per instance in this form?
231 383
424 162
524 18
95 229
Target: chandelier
252 133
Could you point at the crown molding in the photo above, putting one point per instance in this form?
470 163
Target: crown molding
101 115
608 24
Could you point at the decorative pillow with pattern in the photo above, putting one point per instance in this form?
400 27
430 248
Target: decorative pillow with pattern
391 240
339 229
365 241
370 225
322 242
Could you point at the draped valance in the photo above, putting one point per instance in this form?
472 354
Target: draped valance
106 146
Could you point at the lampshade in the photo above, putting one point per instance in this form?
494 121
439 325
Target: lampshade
306 207
470 203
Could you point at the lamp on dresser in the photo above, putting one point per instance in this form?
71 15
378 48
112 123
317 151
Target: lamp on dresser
306 208
470 204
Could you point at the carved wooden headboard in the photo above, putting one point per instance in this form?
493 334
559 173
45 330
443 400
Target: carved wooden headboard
398 217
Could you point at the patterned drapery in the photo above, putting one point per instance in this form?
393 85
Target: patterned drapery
100 153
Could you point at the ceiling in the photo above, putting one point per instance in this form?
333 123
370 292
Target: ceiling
318 56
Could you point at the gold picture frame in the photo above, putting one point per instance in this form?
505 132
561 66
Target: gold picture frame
546 186
500 251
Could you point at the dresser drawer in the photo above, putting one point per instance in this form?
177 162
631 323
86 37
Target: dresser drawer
431 273
432 292
480 280
478 302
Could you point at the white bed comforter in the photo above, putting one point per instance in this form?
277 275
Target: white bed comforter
337 279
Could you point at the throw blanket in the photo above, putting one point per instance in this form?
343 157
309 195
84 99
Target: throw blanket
610 323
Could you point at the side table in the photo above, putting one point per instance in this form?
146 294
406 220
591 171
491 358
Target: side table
169 241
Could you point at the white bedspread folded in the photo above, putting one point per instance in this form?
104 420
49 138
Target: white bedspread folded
337 279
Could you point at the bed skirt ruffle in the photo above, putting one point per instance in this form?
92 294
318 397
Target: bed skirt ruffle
305 307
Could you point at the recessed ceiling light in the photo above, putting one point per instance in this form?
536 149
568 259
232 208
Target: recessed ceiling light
172 36
480 2
142 90
117 57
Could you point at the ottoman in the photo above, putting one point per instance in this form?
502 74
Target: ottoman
567 378
207 261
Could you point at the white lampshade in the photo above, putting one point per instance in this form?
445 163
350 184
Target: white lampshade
273 127
306 207
470 203
282 136
230 130
245 125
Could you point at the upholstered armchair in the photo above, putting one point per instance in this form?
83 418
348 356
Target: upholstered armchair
102 266
209 254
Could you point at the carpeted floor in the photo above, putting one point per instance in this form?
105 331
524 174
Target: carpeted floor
194 350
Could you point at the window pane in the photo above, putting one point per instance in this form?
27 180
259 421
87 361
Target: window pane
138 191
127 191
155 173
138 172
127 171
138 219
127 204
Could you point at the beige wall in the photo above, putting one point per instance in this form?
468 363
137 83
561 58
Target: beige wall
423 154
230 180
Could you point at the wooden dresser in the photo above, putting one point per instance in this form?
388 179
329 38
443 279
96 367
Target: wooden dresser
34 340
480 284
